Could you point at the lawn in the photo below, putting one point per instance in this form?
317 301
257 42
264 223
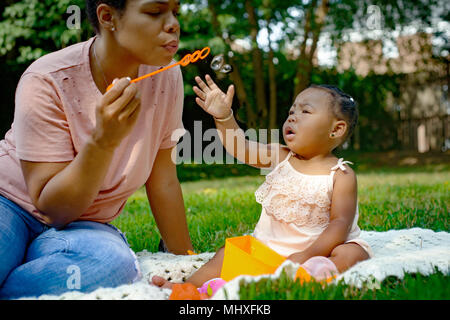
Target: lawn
218 208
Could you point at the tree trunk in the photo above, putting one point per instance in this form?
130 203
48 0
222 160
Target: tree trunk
235 75
272 83
315 20
273 92
242 96
257 63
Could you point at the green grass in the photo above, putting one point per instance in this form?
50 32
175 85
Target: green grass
388 199
411 287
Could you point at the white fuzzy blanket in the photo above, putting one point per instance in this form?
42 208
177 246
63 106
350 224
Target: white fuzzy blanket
396 252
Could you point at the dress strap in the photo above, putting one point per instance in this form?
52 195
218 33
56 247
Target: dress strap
287 157
339 165
282 162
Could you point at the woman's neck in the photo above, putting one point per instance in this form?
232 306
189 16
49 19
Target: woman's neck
109 62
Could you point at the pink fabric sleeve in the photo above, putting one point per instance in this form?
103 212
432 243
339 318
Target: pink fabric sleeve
175 127
40 125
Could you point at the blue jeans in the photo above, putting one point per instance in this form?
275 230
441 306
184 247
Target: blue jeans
36 259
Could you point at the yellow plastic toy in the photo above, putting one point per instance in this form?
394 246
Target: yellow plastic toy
247 255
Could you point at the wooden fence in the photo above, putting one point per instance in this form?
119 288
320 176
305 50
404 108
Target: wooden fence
425 134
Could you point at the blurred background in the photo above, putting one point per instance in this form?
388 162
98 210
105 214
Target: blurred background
391 56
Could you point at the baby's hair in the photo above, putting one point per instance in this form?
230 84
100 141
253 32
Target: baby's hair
91 10
344 106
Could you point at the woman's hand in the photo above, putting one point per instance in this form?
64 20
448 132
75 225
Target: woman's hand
116 114
212 99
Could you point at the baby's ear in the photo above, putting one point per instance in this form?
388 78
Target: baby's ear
339 129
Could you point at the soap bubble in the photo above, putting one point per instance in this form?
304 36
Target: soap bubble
226 69
218 64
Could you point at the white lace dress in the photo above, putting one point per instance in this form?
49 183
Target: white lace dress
296 209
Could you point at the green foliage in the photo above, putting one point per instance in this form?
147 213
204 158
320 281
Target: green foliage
412 287
32 28
194 172
376 126
284 288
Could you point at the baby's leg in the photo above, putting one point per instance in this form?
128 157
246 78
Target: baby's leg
208 271
347 255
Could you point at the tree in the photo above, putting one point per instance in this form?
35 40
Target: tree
262 86
271 44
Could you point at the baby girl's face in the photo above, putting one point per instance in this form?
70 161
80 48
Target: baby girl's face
310 121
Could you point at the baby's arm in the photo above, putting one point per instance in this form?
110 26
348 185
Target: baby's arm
343 210
218 104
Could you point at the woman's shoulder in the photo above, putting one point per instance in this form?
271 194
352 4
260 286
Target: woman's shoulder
58 60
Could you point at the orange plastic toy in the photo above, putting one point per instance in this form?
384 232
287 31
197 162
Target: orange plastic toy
302 275
186 291
187 59
247 255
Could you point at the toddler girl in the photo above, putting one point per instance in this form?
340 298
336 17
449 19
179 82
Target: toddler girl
309 200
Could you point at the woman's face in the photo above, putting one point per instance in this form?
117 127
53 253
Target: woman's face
149 30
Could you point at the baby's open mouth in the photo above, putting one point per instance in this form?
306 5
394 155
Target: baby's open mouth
289 132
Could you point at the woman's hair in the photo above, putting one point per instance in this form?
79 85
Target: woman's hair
91 9
344 106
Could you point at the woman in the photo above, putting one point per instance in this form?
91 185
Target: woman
75 153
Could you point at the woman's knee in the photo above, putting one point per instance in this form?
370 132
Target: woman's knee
102 256
13 241
111 256
122 264
61 272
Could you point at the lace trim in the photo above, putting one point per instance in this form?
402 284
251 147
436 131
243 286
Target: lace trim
295 199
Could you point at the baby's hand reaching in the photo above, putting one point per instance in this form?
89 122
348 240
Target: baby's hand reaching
212 99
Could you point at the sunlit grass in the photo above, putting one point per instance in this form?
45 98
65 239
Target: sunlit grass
221 208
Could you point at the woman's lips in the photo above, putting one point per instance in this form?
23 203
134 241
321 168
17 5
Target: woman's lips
172 47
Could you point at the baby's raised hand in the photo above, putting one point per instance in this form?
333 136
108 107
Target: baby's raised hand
212 99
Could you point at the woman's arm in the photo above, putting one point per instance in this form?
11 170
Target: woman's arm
166 201
343 210
63 191
218 104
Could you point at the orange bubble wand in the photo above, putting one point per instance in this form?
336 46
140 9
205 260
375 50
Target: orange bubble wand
187 59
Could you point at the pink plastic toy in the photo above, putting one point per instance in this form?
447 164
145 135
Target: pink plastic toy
210 287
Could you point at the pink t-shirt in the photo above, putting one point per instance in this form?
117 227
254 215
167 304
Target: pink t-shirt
55 114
